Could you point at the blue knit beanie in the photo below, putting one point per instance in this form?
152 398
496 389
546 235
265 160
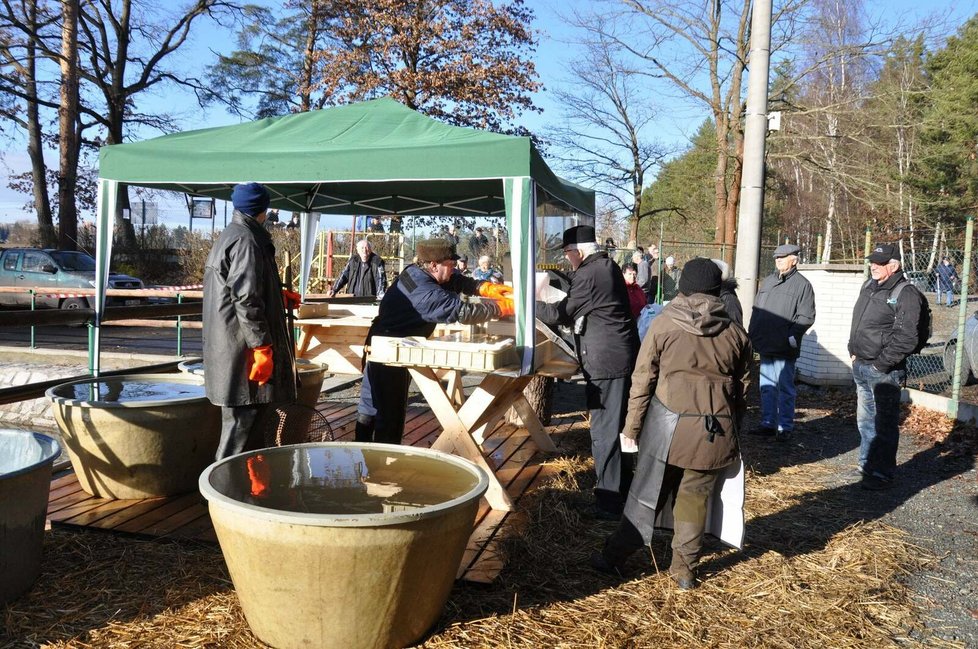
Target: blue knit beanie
250 198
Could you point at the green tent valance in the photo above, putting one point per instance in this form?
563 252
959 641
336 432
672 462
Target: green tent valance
375 157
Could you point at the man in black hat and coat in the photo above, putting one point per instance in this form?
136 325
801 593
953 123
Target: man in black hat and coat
885 331
784 309
424 294
606 338
248 355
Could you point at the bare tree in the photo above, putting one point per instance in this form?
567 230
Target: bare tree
68 127
24 26
700 50
124 50
603 136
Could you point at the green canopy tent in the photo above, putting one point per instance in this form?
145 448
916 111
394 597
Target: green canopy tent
376 157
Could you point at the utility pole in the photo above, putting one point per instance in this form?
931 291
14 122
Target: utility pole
752 181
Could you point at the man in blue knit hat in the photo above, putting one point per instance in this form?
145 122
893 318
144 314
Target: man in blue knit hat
248 357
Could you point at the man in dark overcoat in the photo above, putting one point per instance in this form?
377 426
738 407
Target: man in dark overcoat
248 356
606 338
423 295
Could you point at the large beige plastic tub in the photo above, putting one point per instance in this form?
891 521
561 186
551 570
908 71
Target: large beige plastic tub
343 545
311 376
25 480
137 435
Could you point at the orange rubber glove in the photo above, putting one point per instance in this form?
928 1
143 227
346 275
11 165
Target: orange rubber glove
506 307
260 364
259 474
495 291
291 299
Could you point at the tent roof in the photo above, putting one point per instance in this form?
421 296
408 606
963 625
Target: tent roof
375 157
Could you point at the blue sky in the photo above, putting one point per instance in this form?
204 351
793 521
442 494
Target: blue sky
554 53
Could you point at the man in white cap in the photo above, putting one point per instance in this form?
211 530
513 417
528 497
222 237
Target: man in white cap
606 338
784 309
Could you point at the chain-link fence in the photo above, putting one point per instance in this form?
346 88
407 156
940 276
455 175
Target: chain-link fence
933 261
936 267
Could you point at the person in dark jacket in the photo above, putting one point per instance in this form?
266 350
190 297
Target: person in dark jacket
728 293
365 273
670 279
423 295
784 309
884 333
687 400
606 338
248 355
478 243
946 277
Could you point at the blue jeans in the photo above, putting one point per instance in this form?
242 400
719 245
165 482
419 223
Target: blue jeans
778 393
950 296
877 417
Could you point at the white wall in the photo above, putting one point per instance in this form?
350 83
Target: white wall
824 356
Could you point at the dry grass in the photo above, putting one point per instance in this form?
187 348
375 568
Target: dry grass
813 574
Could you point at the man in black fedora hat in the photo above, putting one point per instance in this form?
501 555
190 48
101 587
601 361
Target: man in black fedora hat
606 338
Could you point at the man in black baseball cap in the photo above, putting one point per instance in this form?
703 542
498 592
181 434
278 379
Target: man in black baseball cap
883 253
885 332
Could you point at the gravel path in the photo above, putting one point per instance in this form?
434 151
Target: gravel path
934 500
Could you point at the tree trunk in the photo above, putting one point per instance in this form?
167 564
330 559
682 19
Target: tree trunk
308 58
829 219
733 202
720 184
35 149
68 128
540 393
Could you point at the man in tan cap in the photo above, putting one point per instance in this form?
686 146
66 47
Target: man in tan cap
424 294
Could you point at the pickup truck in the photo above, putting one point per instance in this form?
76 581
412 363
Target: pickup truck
54 273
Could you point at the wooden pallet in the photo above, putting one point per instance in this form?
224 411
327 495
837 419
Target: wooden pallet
518 466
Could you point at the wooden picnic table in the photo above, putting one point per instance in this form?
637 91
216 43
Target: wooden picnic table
466 419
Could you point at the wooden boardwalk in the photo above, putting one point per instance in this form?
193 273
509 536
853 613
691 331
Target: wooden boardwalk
518 465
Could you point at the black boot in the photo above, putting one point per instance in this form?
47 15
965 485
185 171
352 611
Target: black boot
364 431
